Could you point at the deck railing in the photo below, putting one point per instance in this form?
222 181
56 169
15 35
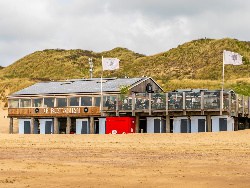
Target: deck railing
233 103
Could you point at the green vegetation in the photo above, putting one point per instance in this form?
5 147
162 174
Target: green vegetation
195 64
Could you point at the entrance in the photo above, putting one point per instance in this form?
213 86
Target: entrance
143 125
62 122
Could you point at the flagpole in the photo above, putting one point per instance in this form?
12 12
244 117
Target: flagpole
101 105
222 87
223 72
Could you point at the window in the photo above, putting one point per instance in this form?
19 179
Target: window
86 101
97 101
37 102
49 102
74 101
25 103
61 102
14 103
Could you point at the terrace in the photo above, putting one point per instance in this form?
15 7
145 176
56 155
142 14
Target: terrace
200 101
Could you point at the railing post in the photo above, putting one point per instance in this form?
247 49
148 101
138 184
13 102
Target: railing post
116 106
237 106
150 103
133 104
221 102
166 103
101 105
202 102
184 103
243 105
230 104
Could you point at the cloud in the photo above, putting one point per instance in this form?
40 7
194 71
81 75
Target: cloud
145 26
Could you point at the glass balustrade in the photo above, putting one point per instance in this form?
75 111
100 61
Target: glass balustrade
175 100
142 101
211 100
193 100
158 101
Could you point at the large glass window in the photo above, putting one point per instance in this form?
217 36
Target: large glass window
74 101
37 102
49 102
97 101
13 103
61 102
86 101
25 103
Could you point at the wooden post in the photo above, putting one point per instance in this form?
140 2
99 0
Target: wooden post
221 102
209 123
167 124
150 103
32 124
237 106
56 127
92 125
184 103
202 102
133 104
137 123
11 125
236 125
166 104
68 125
243 105
230 103
117 106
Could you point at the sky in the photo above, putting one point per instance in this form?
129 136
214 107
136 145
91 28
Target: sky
144 26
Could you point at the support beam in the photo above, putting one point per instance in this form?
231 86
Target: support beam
11 125
137 123
92 125
68 125
209 123
32 125
56 127
236 124
167 124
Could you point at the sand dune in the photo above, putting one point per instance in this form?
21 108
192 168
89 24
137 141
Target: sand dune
135 160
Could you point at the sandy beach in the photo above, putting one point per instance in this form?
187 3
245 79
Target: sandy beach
135 160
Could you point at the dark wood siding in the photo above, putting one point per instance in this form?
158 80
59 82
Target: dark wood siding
141 88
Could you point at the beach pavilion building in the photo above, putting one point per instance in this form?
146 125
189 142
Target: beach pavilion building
96 106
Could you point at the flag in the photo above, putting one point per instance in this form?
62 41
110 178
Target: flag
231 58
110 63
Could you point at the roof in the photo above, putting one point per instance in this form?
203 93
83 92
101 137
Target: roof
80 86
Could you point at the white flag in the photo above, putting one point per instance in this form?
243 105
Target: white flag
110 63
231 58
